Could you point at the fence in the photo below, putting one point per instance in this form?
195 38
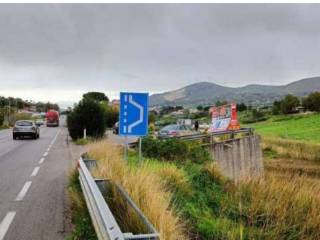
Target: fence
95 192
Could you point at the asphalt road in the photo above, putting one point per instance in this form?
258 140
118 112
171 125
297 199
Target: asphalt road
33 178
119 139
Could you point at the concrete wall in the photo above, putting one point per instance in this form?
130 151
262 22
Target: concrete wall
239 158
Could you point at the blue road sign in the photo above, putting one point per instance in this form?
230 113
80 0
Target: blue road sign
133 120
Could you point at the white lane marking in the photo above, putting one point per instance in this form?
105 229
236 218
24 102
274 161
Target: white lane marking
45 154
48 150
35 172
5 224
23 191
41 161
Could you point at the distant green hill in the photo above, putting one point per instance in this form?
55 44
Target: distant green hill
209 93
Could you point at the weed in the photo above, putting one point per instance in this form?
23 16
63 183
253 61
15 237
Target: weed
292 148
144 186
83 228
282 209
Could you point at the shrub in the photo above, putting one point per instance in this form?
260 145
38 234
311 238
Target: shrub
312 102
145 187
23 116
289 104
82 225
1 117
253 116
89 115
197 154
174 150
112 116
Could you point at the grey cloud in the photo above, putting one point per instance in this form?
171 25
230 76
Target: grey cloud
156 47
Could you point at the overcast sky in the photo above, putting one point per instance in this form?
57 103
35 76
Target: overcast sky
58 51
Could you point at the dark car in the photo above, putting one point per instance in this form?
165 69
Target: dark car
25 128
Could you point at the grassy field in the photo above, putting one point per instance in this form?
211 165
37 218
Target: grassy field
298 127
193 201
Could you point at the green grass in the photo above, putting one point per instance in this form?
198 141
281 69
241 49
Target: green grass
210 203
210 206
82 141
210 209
298 127
82 225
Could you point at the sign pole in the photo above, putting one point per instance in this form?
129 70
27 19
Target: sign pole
126 148
133 118
140 150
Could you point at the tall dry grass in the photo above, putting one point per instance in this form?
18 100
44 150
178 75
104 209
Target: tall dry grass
273 207
293 148
145 187
283 208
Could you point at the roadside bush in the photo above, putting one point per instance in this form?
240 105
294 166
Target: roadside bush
312 102
289 104
82 225
197 153
1 117
253 116
174 150
23 116
112 116
89 115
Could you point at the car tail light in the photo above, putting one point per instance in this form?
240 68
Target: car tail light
173 133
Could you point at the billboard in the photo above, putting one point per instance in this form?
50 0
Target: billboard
224 118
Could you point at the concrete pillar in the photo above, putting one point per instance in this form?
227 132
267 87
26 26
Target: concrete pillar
239 158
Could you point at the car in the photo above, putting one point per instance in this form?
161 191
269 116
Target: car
174 130
115 128
39 122
25 128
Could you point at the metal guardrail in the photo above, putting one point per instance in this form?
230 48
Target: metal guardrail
215 134
202 136
104 222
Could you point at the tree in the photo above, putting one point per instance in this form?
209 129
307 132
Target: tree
89 115
312 102
200 108
257 115
207 108
289 104
241 107
276 108
96 96
112 116
1 116
151 117
220 103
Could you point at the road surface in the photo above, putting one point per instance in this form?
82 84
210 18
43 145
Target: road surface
33 178
119 139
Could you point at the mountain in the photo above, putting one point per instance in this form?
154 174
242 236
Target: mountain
254 94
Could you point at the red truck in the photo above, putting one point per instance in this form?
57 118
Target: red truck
52 117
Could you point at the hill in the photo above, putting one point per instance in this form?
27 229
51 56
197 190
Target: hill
254 94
